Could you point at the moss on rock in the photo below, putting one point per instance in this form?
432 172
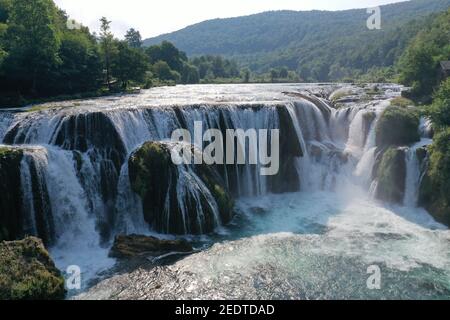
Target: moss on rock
28 273
391 174
434 192
397 127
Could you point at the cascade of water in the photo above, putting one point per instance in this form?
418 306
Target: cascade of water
413 174
130 218
338 148
57 208
426 128
67 208
6 118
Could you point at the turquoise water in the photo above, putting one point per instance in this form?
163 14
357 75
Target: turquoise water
320 245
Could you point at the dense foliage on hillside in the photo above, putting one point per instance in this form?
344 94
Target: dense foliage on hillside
419 68
318 45
419 64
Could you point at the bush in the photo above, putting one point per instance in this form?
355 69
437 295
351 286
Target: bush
434 191
439 112
401 102
397 126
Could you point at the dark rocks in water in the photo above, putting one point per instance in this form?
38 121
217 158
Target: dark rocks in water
289 140
397 127
96 134
28 273
369 118
82 131
43 215
186 199
133 246
287 178
259 210
13 212
422 155
391 175
11 216
318 151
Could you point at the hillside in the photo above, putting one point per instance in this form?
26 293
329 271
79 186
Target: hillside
321 45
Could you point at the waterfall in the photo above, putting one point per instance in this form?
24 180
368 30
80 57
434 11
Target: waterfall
75 174
413 173
50 171
5 121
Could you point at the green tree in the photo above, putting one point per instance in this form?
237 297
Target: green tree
32 42
5 8
168 53
108 47
133 38
420 62
246 75
284 72
129 64
81 68
273 75
163 71
439 111
190 74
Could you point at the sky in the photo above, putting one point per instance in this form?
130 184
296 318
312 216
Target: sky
153 18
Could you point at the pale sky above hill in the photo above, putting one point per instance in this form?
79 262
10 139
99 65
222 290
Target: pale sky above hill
154 17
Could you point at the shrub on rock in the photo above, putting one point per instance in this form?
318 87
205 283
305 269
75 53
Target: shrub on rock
28 273
434 192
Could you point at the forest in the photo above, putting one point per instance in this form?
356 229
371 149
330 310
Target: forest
317 45
44 54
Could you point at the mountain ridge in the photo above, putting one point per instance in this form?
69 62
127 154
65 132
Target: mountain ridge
293 38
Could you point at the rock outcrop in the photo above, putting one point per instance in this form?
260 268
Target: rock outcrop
132 246
28 273
183 199
397 127
391 175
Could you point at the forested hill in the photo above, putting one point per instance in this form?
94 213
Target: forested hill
320 45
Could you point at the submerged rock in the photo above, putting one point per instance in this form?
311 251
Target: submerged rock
184 199
391 175
11 194
28 273
136 245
